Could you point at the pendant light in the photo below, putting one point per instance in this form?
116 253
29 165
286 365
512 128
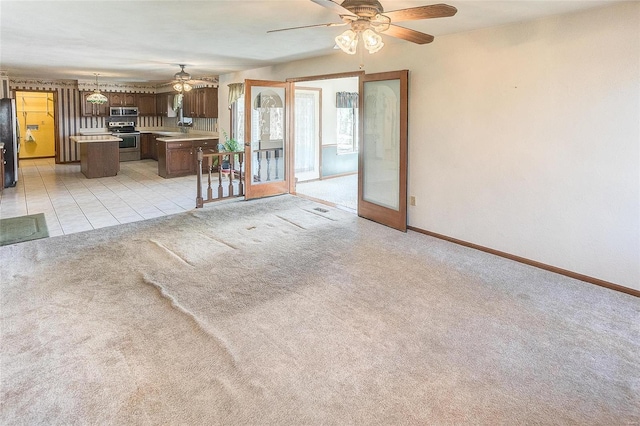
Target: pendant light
96 97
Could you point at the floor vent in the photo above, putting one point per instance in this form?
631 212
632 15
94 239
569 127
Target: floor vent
321 210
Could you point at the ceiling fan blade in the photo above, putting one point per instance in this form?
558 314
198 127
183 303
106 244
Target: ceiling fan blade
422 12
409 35
310 26
333 6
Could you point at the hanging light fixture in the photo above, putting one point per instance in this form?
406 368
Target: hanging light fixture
181 85
96 97
348 40
372 41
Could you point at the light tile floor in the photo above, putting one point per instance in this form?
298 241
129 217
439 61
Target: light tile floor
72 203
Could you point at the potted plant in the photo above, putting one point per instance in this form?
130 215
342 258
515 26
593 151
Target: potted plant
229 145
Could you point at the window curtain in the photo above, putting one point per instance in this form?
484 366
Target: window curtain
236 91
346 99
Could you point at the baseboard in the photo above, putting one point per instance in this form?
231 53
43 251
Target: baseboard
534 263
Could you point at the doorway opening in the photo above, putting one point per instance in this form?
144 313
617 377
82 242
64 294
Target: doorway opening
36 114
326 133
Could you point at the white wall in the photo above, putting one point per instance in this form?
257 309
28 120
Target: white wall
523 138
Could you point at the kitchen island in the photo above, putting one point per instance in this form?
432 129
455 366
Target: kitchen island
99 155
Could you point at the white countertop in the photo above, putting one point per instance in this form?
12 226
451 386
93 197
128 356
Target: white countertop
185 137
95 138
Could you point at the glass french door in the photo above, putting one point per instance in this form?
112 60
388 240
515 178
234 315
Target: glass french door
267 158
382 162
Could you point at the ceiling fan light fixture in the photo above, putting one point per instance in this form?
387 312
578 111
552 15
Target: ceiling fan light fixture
347 42
96 97
182 75
372 41
182 87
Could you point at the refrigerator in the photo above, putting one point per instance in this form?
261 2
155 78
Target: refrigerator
10 136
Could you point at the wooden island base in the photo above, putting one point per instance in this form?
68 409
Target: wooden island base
99 155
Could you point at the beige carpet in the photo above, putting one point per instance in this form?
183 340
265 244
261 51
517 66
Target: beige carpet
283 311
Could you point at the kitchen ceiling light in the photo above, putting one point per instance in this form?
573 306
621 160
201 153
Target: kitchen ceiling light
96 97
182 87
182 75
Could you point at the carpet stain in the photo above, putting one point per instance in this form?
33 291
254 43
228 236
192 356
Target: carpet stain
172 253
291 222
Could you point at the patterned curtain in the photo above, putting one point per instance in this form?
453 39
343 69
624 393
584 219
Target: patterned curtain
346 99
236 91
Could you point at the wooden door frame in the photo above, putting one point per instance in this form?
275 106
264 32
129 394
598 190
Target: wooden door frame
374 211
279 187
56 137
319 147
350 74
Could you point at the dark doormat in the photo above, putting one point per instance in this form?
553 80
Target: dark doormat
24 228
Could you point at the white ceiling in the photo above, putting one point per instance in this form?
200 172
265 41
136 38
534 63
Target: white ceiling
143 41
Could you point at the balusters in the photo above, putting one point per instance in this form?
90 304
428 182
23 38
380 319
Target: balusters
220 190
268 155
210 166
210 160
240 178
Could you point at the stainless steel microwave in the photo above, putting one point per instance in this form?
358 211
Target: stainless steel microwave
123 111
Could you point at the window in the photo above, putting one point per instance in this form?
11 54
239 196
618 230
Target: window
347 125
237 120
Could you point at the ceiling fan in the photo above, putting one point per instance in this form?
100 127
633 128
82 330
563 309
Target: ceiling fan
367 18
183 82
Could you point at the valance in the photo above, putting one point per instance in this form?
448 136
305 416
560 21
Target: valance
236 91
346 99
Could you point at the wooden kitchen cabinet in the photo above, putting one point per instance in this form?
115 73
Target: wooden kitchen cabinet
201 103
149 146
208 102
122 99
146 104
164 105
180 159
94 110
146 139
175 159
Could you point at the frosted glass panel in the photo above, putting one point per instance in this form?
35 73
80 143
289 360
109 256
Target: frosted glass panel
267 134
381 143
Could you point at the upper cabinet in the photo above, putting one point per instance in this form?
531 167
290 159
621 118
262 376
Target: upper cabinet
164 105
201 103
122 99
146 104
198 103
89 109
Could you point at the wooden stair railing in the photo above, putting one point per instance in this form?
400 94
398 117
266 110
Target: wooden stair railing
234 175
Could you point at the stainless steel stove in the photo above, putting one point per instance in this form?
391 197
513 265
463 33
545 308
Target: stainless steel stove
130 144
